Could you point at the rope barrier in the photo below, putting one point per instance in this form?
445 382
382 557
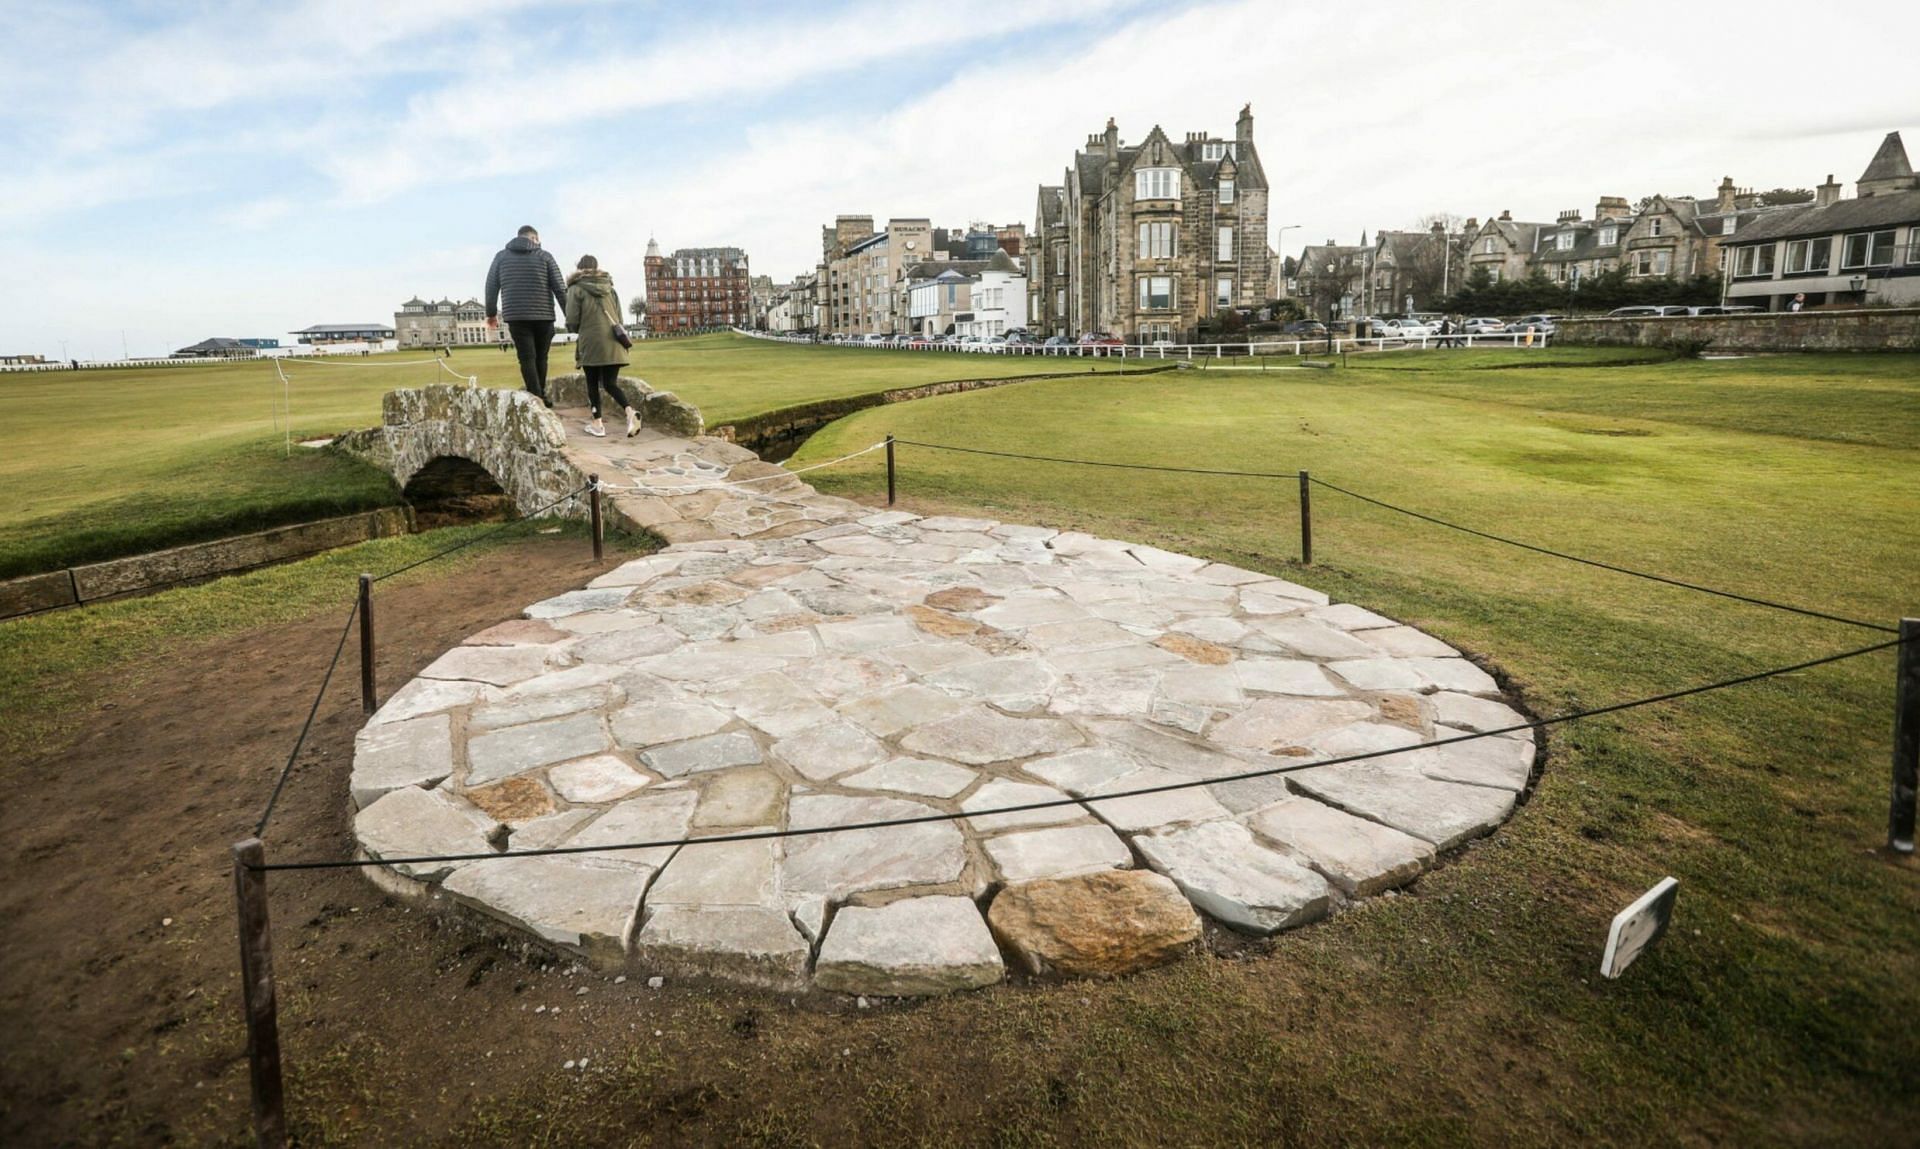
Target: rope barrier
1727 594
1098 463
327 678
784 474
1370 755
1674 582
298 743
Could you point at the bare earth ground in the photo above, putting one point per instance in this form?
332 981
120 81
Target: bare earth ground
120 1027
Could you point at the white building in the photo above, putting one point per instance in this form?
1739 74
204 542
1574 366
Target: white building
964 297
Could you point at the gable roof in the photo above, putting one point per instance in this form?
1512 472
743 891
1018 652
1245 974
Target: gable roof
1089 171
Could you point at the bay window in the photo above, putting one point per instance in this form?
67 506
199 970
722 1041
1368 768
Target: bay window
1156 293
1156 183
1156 240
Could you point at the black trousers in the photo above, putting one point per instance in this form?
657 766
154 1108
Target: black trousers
532 338
604 377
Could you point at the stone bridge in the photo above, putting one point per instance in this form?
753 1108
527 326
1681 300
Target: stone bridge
453 441
800 662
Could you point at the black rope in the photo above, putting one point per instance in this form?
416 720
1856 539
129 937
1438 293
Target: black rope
761 835
530 516
261 826
1727 594
326 678
1097 463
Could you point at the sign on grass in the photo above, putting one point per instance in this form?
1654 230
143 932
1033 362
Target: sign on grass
1638 926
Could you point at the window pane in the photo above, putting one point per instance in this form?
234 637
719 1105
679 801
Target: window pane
1820 255
1226 191
1223 292
1853 252
1225 252
1763 260
1880 252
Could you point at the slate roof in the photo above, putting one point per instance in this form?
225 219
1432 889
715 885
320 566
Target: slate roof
1890 162
1891 210
1052 205
337 328
934 268
217 343
1090 168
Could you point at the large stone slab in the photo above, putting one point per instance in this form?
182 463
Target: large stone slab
829 749
912 947
494 665
1398 795
1277 723
1192 803
979 736
750 945
720 874
648 723
923 777
561 899
423 823
658 816
1094 925
392 755
847 862
601 778
1358 856
1234 879
698 755
1057 852
1002 792
517 749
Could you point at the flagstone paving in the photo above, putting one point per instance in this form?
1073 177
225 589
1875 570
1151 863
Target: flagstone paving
798 662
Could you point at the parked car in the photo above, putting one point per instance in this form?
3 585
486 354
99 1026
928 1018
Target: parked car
1716 309
1646 311
1056 345
1483 325
1101 339
1541 324
919 341
1308 327
1402 329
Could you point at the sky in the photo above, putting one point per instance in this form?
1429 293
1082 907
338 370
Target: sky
179 171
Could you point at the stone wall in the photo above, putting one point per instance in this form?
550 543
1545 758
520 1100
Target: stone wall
1863 329
661 411
199 560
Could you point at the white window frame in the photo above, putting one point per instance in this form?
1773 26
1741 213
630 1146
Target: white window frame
1149 239
1486 246
1609 236
1847 262
1223 292
1147 293
1563 241
1060 259
1226 190
1156 183
1223 244
1654 225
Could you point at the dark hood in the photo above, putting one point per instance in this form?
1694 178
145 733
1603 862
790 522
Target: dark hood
521 244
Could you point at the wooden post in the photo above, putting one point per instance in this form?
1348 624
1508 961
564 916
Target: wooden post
368 701
1306 520
256 986
593 509
889 470
1906 737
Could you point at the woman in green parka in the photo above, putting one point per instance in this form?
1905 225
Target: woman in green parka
593 309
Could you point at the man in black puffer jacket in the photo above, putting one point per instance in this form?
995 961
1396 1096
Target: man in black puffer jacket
523 285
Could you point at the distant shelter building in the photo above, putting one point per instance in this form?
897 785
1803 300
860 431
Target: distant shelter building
322 334
697 288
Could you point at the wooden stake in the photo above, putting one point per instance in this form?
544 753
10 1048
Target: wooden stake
1906 738
599 526
889 470
1306 520
256 985
368 701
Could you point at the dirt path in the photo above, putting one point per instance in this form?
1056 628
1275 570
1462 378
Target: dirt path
117 989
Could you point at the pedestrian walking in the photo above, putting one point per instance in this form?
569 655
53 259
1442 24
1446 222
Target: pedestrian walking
600 347
523 284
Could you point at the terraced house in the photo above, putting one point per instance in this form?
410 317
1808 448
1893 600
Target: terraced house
1159 236
1864 250
696 288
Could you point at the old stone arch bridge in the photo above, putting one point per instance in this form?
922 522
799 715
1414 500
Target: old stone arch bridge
795 661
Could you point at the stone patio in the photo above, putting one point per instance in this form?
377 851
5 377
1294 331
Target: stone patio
798 661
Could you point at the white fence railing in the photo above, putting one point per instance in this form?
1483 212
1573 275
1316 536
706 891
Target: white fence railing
343 351
1188 352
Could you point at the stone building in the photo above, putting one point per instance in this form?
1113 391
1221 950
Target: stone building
1330 279
420 323
1160 235
1417 266
1846 252
697 288
861 271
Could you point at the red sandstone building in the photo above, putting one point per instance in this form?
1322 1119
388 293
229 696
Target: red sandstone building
697 287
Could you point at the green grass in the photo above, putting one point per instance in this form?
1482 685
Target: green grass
185 454
1780 1007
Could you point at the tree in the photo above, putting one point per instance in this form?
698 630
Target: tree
1782 196
639 309
1328 277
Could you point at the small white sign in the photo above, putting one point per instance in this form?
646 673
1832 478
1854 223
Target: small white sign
1638 926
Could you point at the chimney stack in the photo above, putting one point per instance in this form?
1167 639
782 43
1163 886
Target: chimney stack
1571 215
1506 215
1827 194
1725 200
1611 207
1243 131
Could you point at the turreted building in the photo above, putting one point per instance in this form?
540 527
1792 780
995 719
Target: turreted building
1150 240
697 288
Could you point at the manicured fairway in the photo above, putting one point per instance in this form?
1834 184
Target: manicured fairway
1780 1007
99 464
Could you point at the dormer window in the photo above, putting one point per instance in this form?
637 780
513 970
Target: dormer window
1563 241
1726 226
1609 236
1226 191
1213 151
1156 183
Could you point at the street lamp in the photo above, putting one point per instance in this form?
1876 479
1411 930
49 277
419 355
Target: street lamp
1280 249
